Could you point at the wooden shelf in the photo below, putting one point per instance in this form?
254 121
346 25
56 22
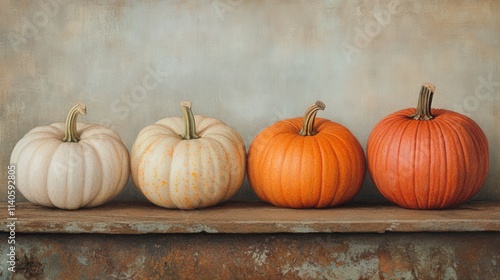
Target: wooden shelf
252 217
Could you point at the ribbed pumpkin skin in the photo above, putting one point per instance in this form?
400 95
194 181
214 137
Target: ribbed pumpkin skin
290 170
427 164
176 173
54 173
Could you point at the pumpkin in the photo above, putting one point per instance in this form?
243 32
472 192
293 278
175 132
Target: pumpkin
306 162
70 165
427 158
189 162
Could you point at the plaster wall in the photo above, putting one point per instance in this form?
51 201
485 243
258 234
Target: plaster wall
248 63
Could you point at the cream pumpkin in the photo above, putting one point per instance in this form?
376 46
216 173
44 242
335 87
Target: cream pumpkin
189 162
70 165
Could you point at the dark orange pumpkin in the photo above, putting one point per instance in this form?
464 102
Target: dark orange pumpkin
306 163
427 158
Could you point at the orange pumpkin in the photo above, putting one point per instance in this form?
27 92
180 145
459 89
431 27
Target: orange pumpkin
306 162
427 158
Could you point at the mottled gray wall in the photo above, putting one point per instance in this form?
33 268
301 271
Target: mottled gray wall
249 63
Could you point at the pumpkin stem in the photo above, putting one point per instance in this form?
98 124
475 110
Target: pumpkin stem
70 132
190 132
424 103
308 124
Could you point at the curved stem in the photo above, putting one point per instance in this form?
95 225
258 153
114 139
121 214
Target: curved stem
424 103
308 124
70 132
189 122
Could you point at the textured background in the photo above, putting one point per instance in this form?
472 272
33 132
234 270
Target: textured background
248 63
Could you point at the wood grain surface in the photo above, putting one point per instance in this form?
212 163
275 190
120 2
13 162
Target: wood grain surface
251 217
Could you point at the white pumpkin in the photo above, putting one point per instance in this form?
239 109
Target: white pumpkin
71 165
189 162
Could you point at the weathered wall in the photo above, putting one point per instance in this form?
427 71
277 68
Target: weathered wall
249 63
278 256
